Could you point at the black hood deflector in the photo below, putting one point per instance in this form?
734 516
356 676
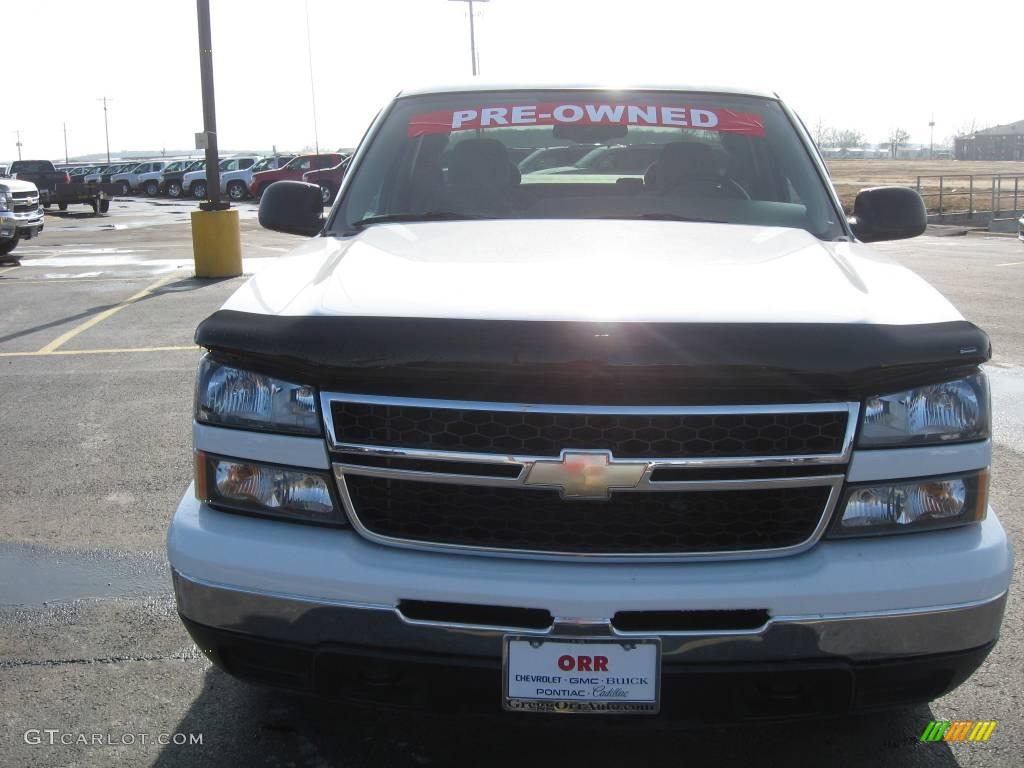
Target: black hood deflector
594 362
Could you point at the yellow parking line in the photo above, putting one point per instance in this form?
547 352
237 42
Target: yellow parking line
3 271
99 318
40 353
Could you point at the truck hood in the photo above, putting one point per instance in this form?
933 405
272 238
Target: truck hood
17 185
604 270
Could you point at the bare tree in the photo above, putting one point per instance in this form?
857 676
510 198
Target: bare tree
897 138
966 128
824 135
849 138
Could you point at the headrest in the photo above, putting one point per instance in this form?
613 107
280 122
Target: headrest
680 160
480 163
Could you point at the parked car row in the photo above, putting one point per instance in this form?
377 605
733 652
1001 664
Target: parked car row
241 176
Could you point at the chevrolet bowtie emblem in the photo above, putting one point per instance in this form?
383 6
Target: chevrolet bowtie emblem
590 475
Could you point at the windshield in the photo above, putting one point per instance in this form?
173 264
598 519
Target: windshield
609 155
31 166
300 163
173 167
264 164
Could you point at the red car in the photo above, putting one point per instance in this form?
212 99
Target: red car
329 179
292 171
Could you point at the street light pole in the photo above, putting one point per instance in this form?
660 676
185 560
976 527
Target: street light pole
18 143
213 201
312 85
472 39
216 236
106 125
472 34
931 138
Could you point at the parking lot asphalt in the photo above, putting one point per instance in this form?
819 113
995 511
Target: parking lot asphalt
96 372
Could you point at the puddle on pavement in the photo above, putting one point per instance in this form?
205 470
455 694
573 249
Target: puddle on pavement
1007 386
33 575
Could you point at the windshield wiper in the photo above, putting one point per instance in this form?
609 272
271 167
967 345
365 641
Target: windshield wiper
667 217
425 216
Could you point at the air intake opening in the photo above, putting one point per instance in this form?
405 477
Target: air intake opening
690 621
482 615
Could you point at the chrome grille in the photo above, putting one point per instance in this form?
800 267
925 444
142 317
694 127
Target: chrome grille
25 201
607 482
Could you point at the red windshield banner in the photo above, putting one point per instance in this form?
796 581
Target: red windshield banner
660 116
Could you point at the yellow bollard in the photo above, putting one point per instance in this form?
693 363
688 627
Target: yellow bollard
217 243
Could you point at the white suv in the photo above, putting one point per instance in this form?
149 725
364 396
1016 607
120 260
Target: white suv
669 441
194 182
144 177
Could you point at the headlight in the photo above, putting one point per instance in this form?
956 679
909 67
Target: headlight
942 502
6 201
266 489
954 411
237 398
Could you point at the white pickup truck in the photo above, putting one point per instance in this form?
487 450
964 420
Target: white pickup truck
673 442
21 217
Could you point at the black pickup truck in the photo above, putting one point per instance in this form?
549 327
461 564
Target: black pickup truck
42 174
56 186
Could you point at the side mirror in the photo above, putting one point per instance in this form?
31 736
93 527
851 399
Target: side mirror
888 213
293 207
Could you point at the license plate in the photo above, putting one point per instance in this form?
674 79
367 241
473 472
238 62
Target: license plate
589 675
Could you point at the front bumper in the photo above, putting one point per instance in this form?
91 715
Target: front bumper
22 224
690 690
252 591
404 627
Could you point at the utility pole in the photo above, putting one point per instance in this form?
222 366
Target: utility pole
66 144
212 202
106 125
472 34
312 86
931 138
18 143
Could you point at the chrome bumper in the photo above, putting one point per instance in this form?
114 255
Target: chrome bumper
12 222
860 637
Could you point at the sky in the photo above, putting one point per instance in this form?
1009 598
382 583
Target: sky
870 66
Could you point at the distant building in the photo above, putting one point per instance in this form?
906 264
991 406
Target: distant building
1003 142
